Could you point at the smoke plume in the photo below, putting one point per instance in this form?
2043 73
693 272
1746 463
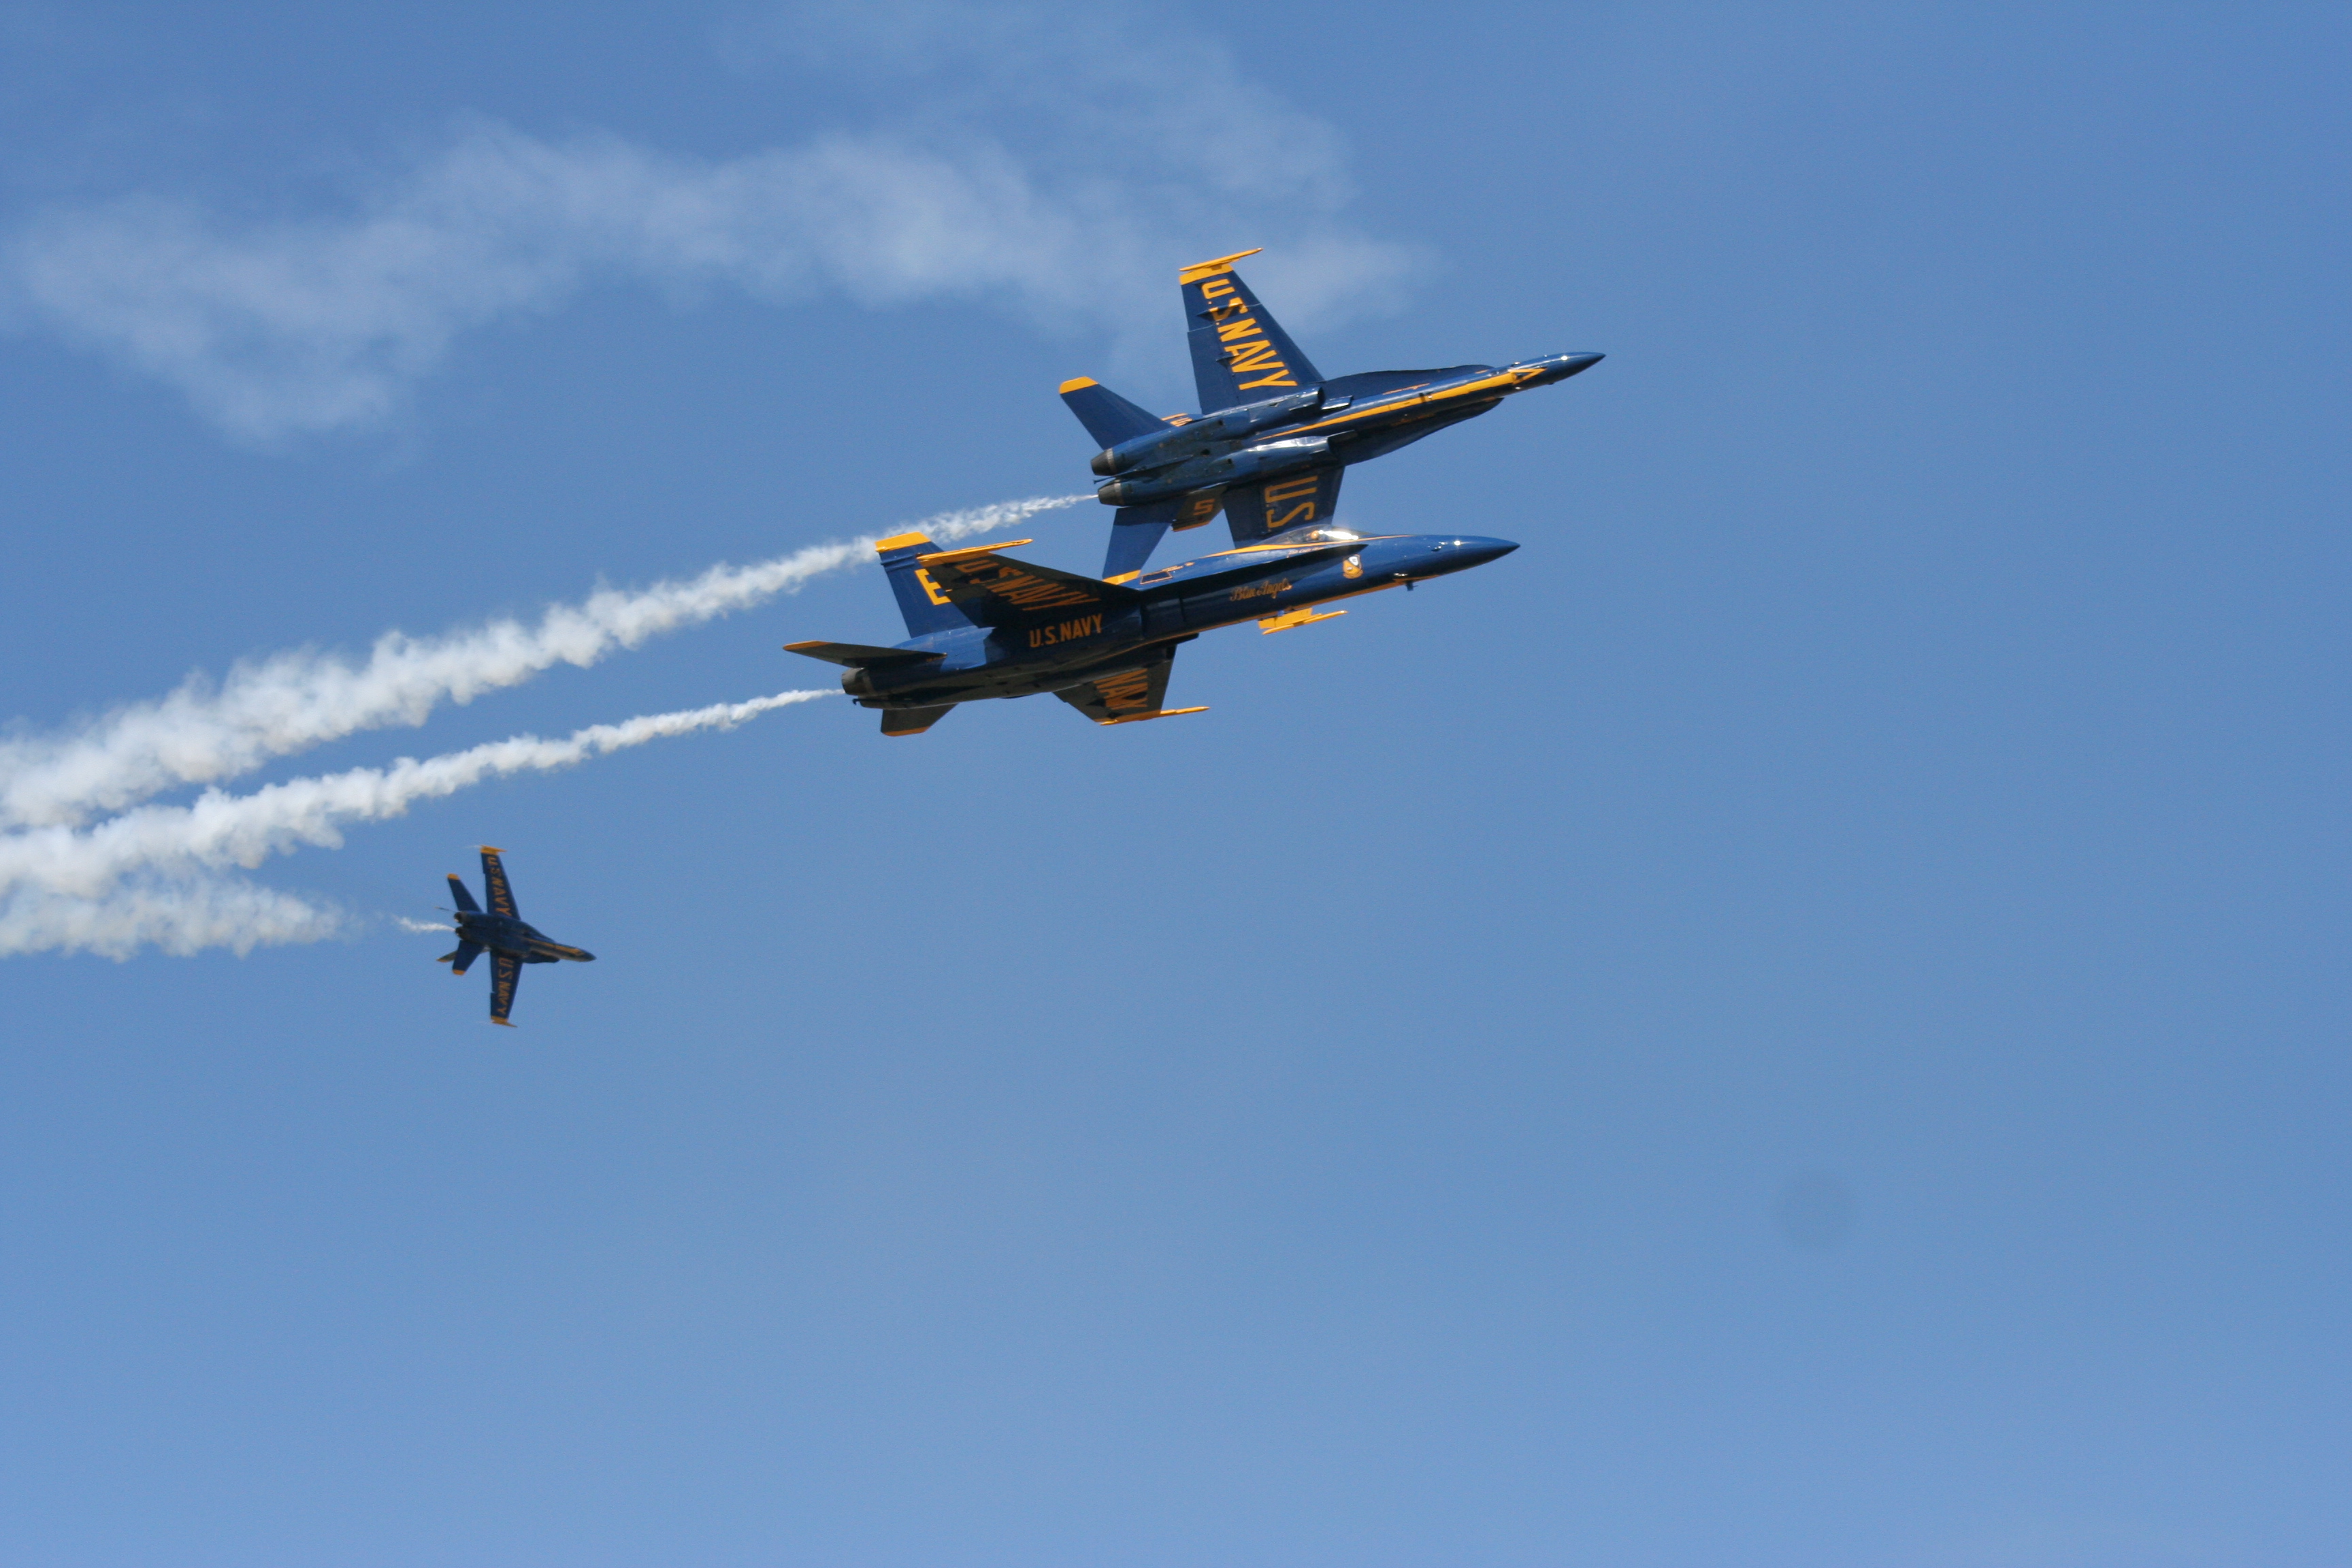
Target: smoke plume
150 876
275 706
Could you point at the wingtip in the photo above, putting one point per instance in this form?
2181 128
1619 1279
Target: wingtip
1077 383
493 850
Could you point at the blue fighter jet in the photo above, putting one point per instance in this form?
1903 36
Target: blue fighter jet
980 623
512 943
1272 437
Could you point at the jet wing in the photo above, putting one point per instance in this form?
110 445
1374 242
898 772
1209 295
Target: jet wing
1127 696
1253 511
998 591
462 957
860 656
494 884
1240 352
505 970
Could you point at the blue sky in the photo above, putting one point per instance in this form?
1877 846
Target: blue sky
1799 1018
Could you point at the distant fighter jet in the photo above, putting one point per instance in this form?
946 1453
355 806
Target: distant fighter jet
1272 437
512 943
983 624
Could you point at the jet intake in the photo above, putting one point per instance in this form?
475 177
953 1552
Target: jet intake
1157 449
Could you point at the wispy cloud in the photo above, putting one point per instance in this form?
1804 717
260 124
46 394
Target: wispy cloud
150 876
322 321
290 701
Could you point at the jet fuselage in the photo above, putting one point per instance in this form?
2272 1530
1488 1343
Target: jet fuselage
1277 580
1347 420
517 939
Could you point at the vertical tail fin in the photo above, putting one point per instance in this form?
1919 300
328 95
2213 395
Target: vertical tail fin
1240 353
464 900
1108 417
1134 532
920 600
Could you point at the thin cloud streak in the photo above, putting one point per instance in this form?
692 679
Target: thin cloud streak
281 328
287 703
145 876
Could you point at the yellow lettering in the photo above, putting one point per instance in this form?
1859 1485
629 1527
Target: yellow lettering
930 589
1303 512
1254 356
1291 490
1245 328
1216 288
1281 379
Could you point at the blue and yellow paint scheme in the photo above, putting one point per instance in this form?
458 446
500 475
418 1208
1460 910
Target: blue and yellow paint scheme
501 932
1272 437
981 624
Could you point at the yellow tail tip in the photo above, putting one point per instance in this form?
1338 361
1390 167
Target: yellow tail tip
1200 270
1078 384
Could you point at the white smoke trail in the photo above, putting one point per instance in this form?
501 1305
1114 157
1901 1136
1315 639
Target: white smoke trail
143 877
291 701
180 915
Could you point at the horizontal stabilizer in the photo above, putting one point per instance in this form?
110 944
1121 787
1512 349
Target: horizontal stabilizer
464 900
1108 417
861 656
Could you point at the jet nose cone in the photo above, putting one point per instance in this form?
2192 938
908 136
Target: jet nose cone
1570 363
587 957
1443 555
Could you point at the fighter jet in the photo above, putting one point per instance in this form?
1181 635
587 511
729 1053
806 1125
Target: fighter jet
512 943
980 623
1272 437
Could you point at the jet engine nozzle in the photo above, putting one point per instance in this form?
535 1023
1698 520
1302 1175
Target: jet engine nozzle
1196 437
857 682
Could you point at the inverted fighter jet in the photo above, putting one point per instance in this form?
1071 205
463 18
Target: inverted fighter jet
980 623
1272 437
512 943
